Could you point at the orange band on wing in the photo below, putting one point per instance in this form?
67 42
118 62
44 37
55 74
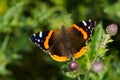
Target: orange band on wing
85 36
59 59
46 45
80 53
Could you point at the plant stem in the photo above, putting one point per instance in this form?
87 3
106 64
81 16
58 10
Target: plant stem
87 74
5 42
78 77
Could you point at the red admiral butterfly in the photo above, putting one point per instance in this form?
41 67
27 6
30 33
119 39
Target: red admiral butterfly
67 43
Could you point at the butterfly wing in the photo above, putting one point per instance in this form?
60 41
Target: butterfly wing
42 39
51 41
86 28
80 34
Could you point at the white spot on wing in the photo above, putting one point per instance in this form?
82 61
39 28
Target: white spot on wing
85 24
40 34
88 27
38 40
90 20
34 35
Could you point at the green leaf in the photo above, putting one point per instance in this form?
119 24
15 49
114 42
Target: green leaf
96 39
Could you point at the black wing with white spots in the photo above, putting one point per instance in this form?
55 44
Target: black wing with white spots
88 26
39 38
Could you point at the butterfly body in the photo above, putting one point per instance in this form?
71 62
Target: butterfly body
67 43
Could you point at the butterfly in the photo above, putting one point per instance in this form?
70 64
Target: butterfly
67 43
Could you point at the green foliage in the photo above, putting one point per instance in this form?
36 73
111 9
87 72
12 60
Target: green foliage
113 11
19 19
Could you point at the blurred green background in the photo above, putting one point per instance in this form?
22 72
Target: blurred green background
19 19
